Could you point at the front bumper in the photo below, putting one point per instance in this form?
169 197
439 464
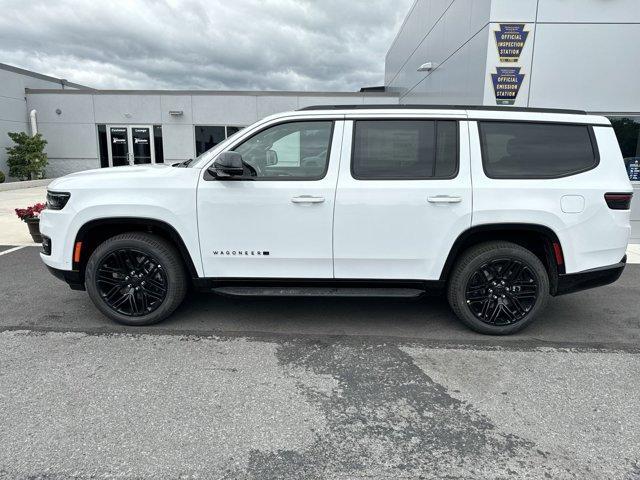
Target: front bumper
71 277
595 277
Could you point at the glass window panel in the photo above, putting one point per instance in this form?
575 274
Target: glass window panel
208 136
289 150
535 150
405 149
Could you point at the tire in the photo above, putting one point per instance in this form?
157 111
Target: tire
155 290
475 298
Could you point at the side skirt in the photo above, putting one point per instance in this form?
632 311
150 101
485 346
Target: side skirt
304 287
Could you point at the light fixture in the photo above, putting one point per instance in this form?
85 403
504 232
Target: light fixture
427 67
175 113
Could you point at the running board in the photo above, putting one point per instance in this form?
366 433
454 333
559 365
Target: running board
319 292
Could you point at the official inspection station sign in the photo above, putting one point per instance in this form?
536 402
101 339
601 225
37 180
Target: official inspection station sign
510 41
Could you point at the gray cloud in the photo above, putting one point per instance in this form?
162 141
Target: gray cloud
252 44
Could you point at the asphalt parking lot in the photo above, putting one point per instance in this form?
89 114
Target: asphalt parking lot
314 388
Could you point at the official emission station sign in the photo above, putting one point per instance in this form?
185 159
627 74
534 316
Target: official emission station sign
506 84
510 41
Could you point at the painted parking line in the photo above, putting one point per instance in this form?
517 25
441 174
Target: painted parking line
11 250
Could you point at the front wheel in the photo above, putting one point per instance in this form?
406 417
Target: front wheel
136 278
498 288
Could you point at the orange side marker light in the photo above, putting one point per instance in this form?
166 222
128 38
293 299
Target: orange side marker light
76 252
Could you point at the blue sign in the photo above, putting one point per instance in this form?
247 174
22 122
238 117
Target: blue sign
510 40
506 84
633 168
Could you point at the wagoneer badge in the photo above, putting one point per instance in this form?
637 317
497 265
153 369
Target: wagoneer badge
244 253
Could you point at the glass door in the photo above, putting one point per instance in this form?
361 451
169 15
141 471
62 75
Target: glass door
142 145
130 145
118 146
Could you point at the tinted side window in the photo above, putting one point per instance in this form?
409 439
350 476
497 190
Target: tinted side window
536 150
405 149
295 150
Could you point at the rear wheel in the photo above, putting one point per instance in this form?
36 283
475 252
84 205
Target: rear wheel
498 288
136 278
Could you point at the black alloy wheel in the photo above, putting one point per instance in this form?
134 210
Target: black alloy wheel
502 291
136 278
131 282
498 287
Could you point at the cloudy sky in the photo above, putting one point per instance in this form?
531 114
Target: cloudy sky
203 44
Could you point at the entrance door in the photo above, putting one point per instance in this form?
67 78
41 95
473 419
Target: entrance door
118 145
130 145
142 145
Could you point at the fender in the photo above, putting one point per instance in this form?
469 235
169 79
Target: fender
518 233
137 223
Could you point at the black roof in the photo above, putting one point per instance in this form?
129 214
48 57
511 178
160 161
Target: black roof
442 107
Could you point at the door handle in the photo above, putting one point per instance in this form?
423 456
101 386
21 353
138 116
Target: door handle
307 199
445 199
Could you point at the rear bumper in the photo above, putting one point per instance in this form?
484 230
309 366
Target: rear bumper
71 277
595 277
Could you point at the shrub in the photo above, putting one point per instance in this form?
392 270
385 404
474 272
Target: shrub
1 177
26 159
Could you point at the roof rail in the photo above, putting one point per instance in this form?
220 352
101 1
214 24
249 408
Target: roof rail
442 107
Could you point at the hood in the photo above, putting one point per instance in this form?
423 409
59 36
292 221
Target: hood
137 175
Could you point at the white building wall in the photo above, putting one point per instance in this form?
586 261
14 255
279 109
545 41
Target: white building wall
13 106
579 54
452 35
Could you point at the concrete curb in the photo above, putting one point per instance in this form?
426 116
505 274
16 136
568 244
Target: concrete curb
27 184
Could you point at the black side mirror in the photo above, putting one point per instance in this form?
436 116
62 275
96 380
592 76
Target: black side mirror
227 164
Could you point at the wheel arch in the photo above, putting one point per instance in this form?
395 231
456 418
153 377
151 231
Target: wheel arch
96 231
539 239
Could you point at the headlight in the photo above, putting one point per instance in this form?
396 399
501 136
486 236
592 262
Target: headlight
57 200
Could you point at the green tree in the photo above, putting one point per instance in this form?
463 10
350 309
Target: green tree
26 159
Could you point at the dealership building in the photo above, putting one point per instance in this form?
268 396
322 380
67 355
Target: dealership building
576 54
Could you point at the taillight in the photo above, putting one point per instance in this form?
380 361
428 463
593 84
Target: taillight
618 201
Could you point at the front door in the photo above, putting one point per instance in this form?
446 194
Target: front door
404 196
276 220
130 145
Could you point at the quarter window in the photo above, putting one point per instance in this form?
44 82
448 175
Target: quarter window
405 149
536 150
289 151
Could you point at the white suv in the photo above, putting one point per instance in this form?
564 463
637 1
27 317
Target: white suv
498 208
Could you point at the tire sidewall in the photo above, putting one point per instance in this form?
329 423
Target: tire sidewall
164 256
459 294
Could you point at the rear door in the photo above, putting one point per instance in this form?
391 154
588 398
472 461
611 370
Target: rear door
403 197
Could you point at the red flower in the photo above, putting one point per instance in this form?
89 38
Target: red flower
30 212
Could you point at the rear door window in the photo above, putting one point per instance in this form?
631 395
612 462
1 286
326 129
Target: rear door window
536 150
405 149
